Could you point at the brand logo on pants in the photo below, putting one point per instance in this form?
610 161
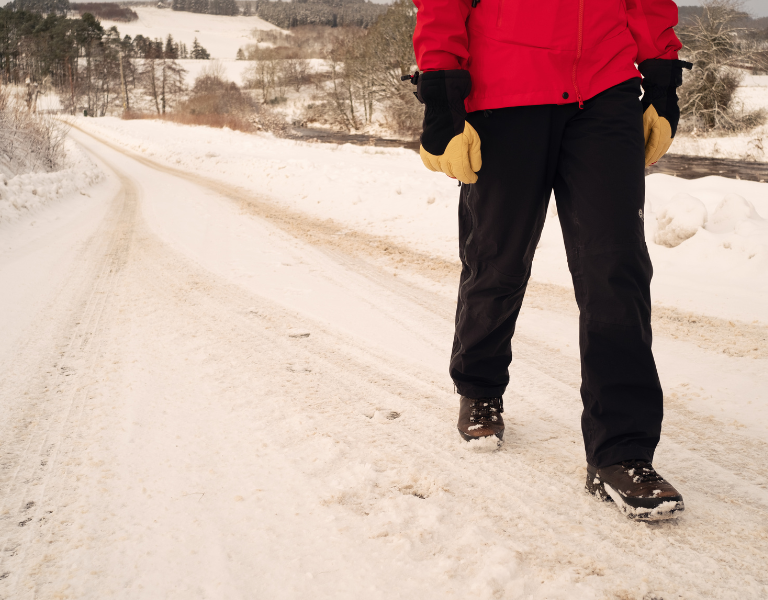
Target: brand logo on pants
640 212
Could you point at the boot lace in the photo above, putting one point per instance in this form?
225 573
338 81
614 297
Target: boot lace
486 410
641 471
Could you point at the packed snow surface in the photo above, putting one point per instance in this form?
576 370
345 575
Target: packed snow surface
220 35
210 389
716 270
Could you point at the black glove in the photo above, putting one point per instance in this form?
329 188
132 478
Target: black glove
661 114
448 143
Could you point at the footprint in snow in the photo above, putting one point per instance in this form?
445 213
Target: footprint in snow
385 416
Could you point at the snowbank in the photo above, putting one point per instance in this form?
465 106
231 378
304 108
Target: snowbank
713 260
26 193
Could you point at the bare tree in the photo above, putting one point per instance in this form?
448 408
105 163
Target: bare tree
712 43
296 72
263 75
148 76
171 82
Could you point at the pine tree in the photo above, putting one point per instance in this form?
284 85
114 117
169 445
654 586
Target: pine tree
198 52
171 49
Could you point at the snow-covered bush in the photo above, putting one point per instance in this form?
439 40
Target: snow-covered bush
680 220
731 210
29 141
27 192
712 42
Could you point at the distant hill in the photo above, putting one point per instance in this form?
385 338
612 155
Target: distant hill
222 36
359 13
110 11
46 7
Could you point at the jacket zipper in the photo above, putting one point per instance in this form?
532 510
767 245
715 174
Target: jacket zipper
578 53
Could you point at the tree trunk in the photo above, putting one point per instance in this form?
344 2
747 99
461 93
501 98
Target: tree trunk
126 108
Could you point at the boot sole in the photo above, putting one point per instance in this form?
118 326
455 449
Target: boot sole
469 438
669 509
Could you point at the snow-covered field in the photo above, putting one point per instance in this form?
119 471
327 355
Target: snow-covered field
220 35
223 375
722 269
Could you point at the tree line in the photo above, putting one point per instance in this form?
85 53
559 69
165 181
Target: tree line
90 67
209 7
332 13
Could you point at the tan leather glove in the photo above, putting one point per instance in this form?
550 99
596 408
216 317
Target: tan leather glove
661 78
448 143
461 158
658 135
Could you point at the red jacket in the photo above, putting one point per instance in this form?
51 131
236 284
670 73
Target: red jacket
522 52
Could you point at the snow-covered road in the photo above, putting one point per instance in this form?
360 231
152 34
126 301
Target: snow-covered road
206 395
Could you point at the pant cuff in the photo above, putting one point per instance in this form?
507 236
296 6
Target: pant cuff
474 391
618 454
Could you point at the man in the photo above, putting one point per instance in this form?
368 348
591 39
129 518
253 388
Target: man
551 89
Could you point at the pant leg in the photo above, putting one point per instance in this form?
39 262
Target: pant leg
500 222
600 193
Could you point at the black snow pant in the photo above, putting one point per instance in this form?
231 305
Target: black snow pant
593 158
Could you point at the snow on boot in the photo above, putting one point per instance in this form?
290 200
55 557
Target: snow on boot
637 489
481 418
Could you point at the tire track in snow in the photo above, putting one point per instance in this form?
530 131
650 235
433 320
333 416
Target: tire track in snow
56 410
734 338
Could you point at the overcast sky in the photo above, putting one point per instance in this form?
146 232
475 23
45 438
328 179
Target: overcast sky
758 8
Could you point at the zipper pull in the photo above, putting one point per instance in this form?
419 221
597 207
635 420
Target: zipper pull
581 102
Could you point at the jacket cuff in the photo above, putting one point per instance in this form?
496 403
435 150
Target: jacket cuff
443 93
663 73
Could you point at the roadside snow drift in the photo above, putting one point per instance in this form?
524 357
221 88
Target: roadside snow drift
23 194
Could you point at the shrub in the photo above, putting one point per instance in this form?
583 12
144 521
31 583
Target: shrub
711 42
29 141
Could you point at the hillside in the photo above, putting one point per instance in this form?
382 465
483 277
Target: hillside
220 35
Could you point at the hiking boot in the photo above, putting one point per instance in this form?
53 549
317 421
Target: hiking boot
481 418
637 489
